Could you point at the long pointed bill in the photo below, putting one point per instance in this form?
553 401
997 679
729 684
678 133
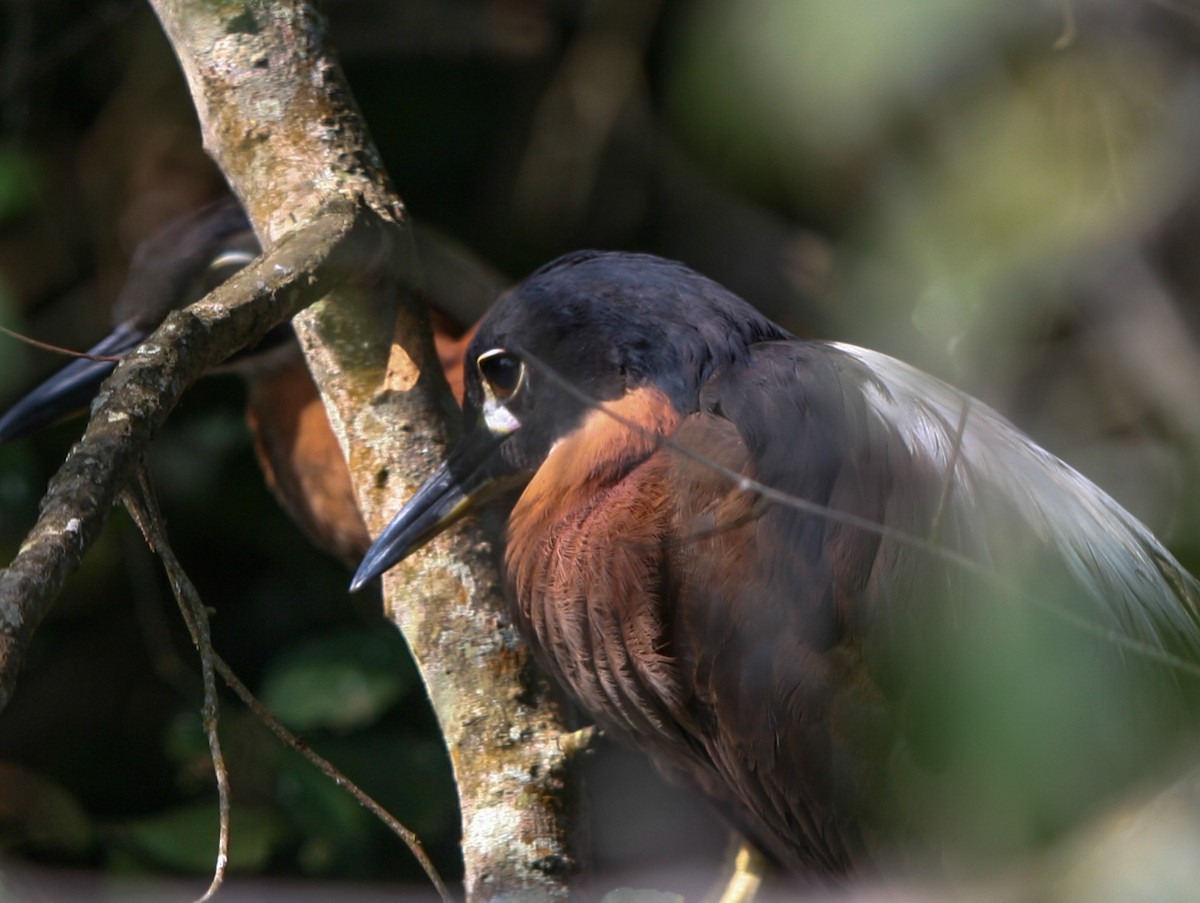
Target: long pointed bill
473 474
71 389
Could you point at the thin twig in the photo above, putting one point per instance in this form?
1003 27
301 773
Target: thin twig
583 740
410 839
143 508
145 513
56 349
168 664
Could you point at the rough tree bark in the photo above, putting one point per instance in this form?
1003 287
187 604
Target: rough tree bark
279 119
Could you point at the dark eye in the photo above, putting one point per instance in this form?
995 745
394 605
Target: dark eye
503 371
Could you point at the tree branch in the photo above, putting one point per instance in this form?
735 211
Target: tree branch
280 121
135 401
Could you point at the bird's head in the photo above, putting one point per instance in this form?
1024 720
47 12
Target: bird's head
585 329
175 266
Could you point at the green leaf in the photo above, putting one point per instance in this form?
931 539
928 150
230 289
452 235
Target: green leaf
341 682
18 182
185 839
318 805
408 776
37 812
335 830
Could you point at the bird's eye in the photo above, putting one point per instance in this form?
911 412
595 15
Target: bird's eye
503 371
223 266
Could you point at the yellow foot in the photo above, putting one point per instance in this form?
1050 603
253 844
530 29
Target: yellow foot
746 868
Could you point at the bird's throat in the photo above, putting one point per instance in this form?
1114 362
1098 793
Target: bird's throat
612 440
584 543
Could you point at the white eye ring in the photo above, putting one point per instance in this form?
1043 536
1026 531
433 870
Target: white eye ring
503 374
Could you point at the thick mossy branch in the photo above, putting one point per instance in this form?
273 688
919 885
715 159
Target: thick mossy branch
278 117
275 110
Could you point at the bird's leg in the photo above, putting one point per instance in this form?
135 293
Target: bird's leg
742 874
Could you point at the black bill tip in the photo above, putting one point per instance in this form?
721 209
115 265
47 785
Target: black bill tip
71 389
473 474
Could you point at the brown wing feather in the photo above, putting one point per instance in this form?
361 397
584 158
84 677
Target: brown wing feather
583 564
832 687
301 459
773 680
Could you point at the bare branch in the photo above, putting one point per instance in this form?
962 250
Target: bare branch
279 119
136 399
275 111
143 508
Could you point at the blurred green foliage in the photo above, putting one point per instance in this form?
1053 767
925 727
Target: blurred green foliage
18 183
181 840
339 682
